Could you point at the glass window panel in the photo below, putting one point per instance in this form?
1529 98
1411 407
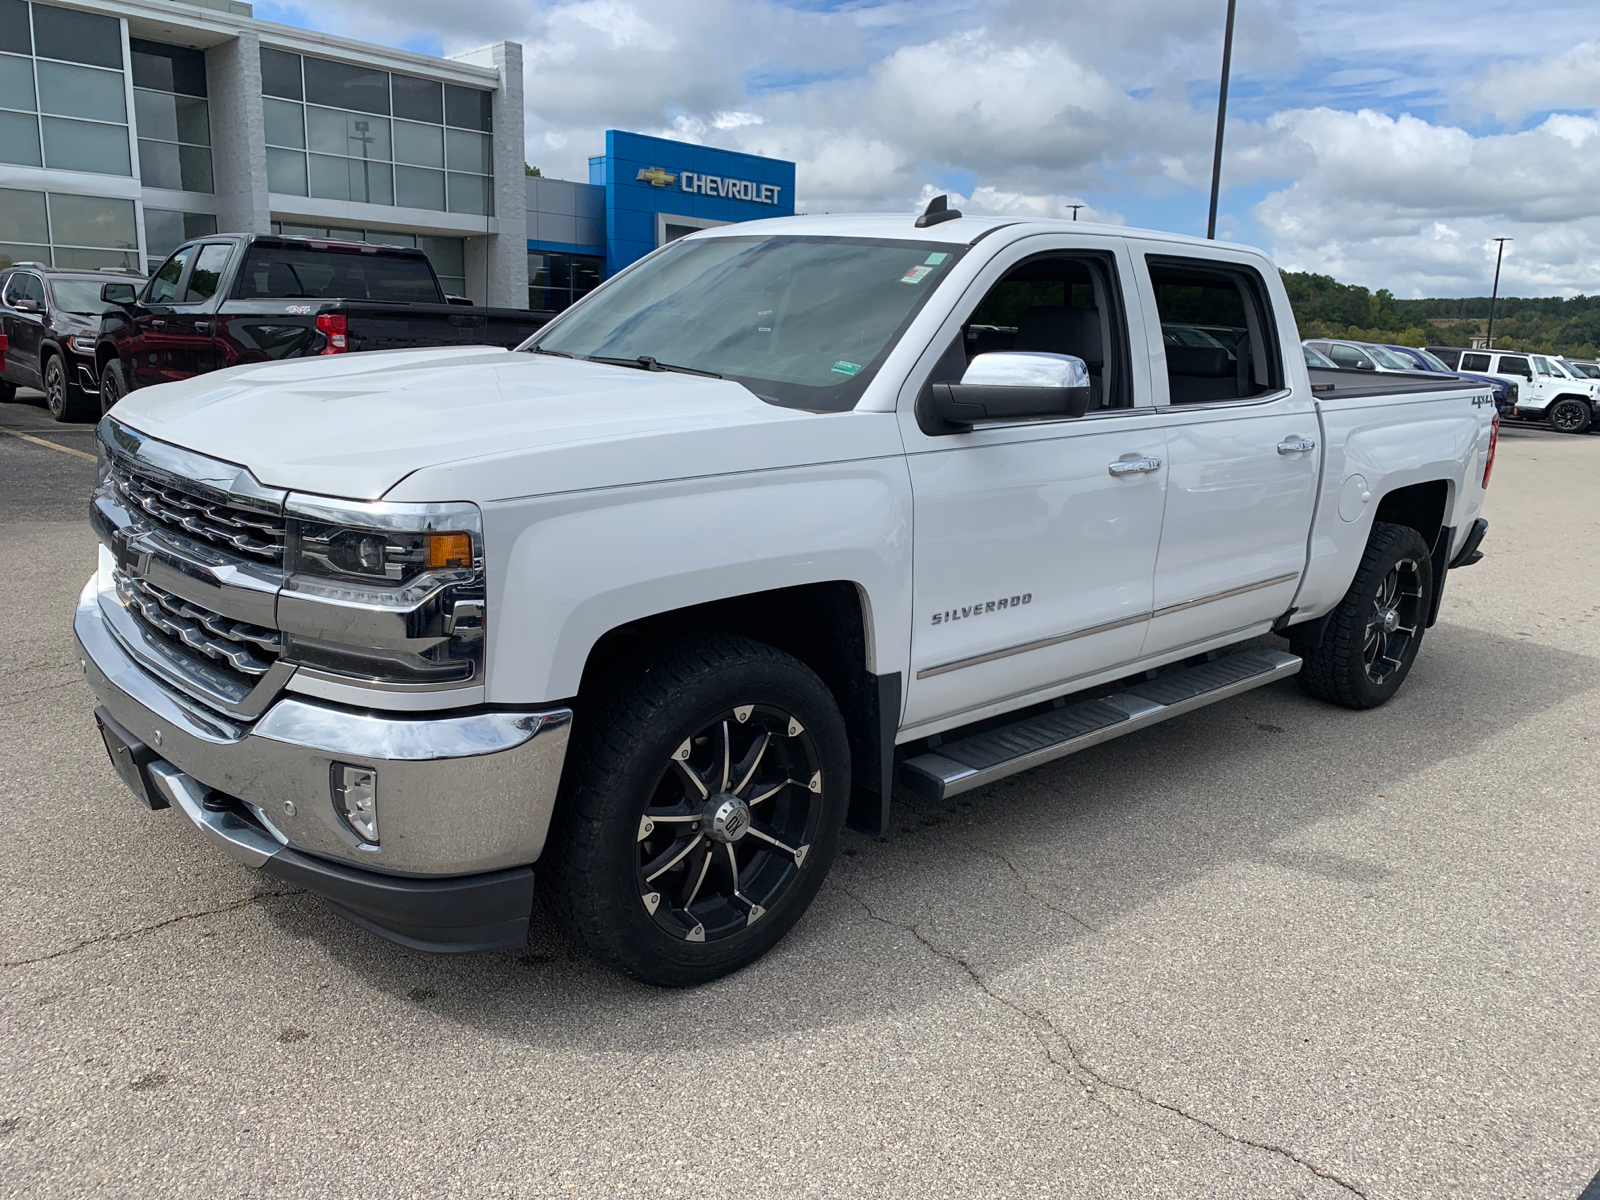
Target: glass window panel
454 285
77 36
168 68
285 123
81 146
194 166
380 238
207 274
280 74
157 114
286 171
351 179
92 221
22 216
164 284
16 82
419 99
163 231
299 231
415 187
448 255
420 145
198 225
467 108
12 252
345 85
194 121
92 260
468 152
70 91
354 135
159 166
469 194
14 32
19 139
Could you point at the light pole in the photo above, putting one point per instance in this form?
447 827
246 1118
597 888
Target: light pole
1222 117
1488 337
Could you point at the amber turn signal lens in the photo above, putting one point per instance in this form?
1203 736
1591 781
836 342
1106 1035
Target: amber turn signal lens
449 550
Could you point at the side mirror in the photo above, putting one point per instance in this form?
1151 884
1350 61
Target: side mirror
1364 365
118 293
1015 385
27 306
453 299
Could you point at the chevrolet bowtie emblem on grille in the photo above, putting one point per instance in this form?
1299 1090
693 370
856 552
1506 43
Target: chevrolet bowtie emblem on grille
656 177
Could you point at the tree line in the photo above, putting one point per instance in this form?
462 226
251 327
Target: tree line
1324 307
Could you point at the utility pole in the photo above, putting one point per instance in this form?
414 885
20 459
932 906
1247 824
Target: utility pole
1075 208
1222 117
1495 295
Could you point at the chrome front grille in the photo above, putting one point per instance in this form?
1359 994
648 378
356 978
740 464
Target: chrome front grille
260 535
238 646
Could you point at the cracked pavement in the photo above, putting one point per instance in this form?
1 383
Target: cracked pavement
1270 949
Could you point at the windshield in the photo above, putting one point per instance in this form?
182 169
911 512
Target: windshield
1587 370
1316 358
1435 363
803 322
1388 358
82 295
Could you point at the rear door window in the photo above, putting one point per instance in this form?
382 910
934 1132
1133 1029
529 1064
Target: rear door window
1217 329
304 273
1515 364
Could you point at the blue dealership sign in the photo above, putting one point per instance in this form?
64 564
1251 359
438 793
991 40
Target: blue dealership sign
650 180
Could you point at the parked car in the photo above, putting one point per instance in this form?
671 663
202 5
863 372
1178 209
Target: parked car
1584 367
1505 392
230 299
1545 392
649 609
50 318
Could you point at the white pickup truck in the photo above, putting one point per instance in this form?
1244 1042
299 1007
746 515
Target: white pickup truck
648 609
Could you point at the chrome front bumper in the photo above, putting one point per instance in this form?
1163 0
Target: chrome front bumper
457 795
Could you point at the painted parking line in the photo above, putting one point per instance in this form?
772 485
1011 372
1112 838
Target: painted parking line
28 437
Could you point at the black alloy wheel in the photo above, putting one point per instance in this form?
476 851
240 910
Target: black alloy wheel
113 385
730 823
1394 621
1569 416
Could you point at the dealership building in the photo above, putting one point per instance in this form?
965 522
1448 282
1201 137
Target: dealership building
128 126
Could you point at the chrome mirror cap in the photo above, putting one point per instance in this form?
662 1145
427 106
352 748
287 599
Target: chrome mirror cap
1026 368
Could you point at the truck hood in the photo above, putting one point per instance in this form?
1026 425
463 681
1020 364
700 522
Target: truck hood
480 423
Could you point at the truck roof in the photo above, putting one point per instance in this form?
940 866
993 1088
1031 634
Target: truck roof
964 229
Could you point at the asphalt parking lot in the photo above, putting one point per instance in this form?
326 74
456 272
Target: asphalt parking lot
1270 949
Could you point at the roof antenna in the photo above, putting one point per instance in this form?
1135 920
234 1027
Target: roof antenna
938 210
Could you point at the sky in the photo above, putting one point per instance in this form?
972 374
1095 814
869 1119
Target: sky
1384 142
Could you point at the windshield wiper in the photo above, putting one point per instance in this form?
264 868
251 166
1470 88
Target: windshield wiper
552 353
645 363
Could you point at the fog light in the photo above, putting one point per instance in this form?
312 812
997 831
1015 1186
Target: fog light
355 796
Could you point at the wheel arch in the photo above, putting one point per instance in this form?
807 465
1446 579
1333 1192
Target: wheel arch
827 626
1422 506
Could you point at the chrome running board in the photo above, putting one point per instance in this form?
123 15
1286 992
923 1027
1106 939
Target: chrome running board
971 762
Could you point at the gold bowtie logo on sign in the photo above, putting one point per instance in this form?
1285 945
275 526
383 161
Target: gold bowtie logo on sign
656 177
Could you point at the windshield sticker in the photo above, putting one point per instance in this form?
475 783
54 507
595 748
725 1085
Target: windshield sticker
845 368
916 274
935 259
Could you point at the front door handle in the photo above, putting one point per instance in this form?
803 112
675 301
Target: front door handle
1296 445
157 322
1134 466
203 326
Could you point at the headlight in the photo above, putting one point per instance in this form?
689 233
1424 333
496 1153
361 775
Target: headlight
391 594
82 343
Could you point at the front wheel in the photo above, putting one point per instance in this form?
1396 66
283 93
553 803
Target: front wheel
65 402
1372 638
700 810
1569 416
113 385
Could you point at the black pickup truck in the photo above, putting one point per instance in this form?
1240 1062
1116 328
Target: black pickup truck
229 299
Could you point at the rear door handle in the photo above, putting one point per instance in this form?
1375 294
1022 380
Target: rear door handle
1134 466
203 326
157 322
1296 445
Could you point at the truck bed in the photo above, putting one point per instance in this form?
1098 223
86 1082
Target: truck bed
1349 384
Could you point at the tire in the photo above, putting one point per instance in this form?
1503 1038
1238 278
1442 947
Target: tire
113 385
66 403
652 893
8 392
1364 655
1569 416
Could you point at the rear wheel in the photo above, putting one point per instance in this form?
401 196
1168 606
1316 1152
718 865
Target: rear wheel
1372 638
1569 416
65 402
700 810
113 385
